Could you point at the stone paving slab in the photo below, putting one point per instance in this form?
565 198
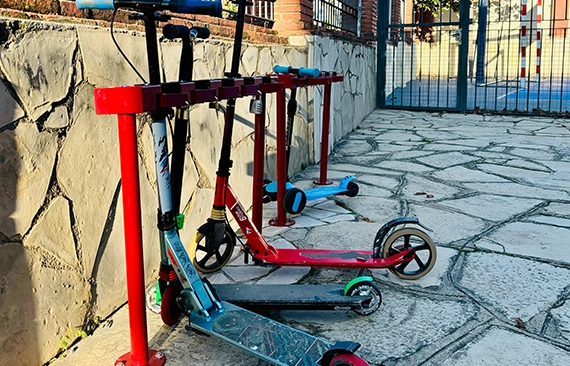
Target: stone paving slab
495 190
499 347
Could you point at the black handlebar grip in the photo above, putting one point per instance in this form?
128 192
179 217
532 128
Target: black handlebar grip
200 32
172 31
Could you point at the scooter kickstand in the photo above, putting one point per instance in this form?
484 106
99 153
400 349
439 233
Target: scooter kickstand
186 312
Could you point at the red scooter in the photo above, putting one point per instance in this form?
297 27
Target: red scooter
400 245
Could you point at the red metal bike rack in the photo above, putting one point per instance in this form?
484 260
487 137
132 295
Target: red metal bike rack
126 102
291 81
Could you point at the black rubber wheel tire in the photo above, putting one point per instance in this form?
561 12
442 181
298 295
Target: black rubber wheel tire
351 189
169 311
347 359
422 246
366 288
221 258
267 197
294 201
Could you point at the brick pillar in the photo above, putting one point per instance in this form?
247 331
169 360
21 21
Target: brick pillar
293 17
559 18
369 19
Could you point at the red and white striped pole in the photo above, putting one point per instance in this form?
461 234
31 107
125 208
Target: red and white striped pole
538 37
523 43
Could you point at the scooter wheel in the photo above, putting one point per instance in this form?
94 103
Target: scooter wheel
366 288
206 259
347 359
422 246
267 197
169 310
294 201
351 189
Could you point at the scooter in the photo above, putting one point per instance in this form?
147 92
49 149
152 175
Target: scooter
187 294
295 199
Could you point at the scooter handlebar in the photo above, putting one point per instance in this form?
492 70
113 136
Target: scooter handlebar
203 7
303 71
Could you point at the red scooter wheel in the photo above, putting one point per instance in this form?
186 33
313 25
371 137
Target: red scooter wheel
169 310
347 359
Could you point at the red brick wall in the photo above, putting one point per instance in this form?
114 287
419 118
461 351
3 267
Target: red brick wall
369 19
292 17
295 17
37 6
560 18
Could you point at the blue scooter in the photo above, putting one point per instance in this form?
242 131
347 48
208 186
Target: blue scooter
295 199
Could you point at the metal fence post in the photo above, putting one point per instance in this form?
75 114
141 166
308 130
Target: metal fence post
382 28
464 22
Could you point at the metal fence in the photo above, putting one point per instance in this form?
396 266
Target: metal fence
487 55
518 56
343 15
262 10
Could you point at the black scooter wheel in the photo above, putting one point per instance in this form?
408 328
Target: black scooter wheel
207 259
267 197
366 288
347 359
351 189
294 201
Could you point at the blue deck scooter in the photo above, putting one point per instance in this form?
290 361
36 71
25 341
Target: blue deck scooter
295 199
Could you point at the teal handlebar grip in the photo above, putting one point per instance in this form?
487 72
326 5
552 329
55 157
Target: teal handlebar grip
95 4
303 71
309 72
203 7
281 69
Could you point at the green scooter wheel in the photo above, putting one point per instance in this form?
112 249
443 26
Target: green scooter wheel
366 288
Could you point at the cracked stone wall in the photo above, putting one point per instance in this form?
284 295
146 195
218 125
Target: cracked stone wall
353 99
62 261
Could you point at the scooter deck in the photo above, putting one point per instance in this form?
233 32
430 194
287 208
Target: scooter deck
293 297
322 192
312 193
334 258
267 339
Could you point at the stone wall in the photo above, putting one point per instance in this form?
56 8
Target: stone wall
62 261
354 98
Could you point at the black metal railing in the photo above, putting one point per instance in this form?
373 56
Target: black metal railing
503 78
338 15
261 9
491 57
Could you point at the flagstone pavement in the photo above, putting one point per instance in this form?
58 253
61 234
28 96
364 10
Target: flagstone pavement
494 190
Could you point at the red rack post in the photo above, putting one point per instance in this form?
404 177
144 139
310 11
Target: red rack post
281 219
258 167
325 137
140 354
126 102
